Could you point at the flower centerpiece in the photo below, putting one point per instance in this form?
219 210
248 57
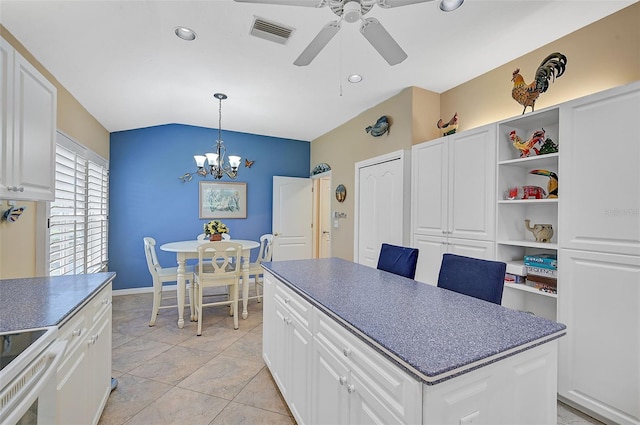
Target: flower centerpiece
214 229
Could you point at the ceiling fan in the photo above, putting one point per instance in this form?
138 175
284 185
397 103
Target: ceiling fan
352 11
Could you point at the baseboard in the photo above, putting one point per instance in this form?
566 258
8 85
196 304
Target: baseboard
143 290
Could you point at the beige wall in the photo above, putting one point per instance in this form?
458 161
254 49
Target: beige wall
602 55
18 240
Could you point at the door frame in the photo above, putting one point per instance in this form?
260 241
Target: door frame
404 156
317 227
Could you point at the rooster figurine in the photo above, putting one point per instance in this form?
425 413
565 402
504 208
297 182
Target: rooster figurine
552 67
449 127
525 147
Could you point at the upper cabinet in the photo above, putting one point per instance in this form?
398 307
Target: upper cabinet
27 128
601 172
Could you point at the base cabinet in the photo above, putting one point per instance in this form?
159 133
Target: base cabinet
84 377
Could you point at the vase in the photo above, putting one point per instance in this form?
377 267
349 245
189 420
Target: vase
215 237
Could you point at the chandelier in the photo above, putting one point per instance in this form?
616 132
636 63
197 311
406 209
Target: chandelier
215 161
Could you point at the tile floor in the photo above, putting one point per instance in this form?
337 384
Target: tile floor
171 376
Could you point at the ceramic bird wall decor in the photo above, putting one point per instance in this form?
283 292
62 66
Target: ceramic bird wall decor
449 127
248 163
380 127
552 67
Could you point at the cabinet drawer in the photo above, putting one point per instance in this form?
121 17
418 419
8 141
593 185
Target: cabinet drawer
400 392
297 306
99 304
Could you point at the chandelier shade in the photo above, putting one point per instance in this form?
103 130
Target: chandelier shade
215 162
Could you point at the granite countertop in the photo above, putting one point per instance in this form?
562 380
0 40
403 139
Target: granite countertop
46 301
431 332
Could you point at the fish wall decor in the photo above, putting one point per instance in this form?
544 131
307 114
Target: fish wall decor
380 127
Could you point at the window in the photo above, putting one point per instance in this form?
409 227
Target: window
78 218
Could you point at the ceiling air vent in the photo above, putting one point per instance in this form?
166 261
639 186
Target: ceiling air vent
271 31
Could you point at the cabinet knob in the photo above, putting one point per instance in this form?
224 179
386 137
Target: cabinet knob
342 380
287 321
346 351
351 389
77 332
286 300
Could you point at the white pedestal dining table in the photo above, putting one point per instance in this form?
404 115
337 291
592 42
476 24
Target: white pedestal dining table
189 249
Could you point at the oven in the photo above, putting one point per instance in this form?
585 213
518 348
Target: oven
29 360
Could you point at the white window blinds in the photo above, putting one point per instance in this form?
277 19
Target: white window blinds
78 217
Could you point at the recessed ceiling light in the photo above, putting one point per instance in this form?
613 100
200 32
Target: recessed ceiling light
354 78
185 33
450 5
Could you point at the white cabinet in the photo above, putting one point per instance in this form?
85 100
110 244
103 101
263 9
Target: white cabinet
600 356
599 258
452 198
27 127
381 205
287 341
357 385
514 241
84 377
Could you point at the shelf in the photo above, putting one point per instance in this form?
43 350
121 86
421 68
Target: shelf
525 288
529 244
528 201
548 160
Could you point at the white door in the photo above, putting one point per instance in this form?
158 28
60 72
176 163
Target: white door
292 218
380 208
324 221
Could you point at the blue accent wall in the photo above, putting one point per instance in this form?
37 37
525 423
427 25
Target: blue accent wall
147 198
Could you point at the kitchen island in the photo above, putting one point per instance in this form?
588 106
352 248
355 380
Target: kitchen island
347 343
78 309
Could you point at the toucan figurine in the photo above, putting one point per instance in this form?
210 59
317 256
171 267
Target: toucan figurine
552 185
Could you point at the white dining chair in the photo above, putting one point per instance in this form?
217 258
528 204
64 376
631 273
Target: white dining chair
162 275
218 272
255 268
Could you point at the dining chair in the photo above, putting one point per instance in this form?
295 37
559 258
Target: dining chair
255 268
399 260
483 279
162 275
218 272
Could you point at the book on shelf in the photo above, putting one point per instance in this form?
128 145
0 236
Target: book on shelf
544 280
548 261
514 278
542 271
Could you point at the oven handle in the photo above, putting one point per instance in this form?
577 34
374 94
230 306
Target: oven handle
23 402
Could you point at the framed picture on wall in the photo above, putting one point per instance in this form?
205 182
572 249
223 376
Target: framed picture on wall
223 200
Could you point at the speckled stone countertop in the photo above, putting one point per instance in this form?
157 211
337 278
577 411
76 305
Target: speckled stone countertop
46 301
431 332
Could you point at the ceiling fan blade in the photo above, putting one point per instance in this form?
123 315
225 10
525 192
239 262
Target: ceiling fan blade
395 3
317 44
304 3
382 41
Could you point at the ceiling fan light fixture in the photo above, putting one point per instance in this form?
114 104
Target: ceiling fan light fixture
185 33
450 5
351 12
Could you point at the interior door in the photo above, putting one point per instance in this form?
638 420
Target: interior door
292 218
380 209
324 221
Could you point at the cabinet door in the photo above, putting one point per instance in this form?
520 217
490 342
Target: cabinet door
99 355
299 363
471 248
34 131
330 401
6 119
429 182
471 189
600 355
269 318
600 181
280 347
429 258
365 407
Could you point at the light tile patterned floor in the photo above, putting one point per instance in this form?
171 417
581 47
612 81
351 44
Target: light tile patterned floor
171 376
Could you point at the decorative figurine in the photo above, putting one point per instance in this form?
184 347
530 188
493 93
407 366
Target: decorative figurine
548 146
450 127
186 177
552 67
248 163
552 185
13 214
379 128
542 232
526 147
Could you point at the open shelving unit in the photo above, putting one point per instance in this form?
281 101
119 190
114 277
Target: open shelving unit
514 241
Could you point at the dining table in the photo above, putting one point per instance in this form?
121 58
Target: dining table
189 249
